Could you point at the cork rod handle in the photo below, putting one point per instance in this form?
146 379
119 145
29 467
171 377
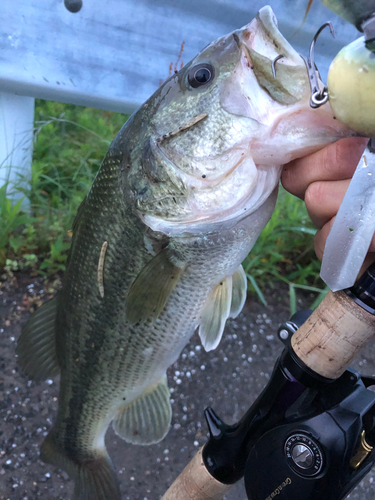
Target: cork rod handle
337 329
196 483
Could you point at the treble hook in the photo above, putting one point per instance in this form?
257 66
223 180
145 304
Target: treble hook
318 96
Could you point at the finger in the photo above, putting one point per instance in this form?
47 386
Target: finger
323 199
320 238
335 162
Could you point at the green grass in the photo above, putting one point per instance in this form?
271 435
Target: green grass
285 252
70 143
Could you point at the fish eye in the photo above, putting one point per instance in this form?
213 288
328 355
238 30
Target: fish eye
201 74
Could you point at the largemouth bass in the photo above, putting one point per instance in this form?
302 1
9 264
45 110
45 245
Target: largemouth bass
180 199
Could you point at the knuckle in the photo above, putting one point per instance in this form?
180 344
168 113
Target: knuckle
314 196
290 179
342 158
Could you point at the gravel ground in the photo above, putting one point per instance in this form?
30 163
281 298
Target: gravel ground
228 379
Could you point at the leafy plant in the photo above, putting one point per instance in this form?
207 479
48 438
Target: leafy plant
29 261
12 219
56 260
284 252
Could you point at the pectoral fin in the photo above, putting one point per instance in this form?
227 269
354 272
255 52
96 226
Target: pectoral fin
36 347
239 292
152 287
215 313
146 420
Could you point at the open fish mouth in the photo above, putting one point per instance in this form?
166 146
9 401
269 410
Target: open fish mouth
262 35
270 76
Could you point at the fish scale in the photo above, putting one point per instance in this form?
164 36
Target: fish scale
178 202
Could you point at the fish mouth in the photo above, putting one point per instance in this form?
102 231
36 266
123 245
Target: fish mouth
262 35
273 74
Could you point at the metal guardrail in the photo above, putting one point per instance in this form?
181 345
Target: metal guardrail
113 54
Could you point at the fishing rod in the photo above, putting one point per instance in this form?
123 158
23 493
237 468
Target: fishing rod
311 431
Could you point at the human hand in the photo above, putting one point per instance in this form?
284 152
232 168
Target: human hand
321 180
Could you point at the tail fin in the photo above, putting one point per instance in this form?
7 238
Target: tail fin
95 478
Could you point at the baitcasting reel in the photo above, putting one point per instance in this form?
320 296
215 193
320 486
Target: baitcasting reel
323 448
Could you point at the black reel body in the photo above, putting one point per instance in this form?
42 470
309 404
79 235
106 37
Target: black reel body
321 449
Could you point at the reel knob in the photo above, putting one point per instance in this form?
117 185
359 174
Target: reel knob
303 454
